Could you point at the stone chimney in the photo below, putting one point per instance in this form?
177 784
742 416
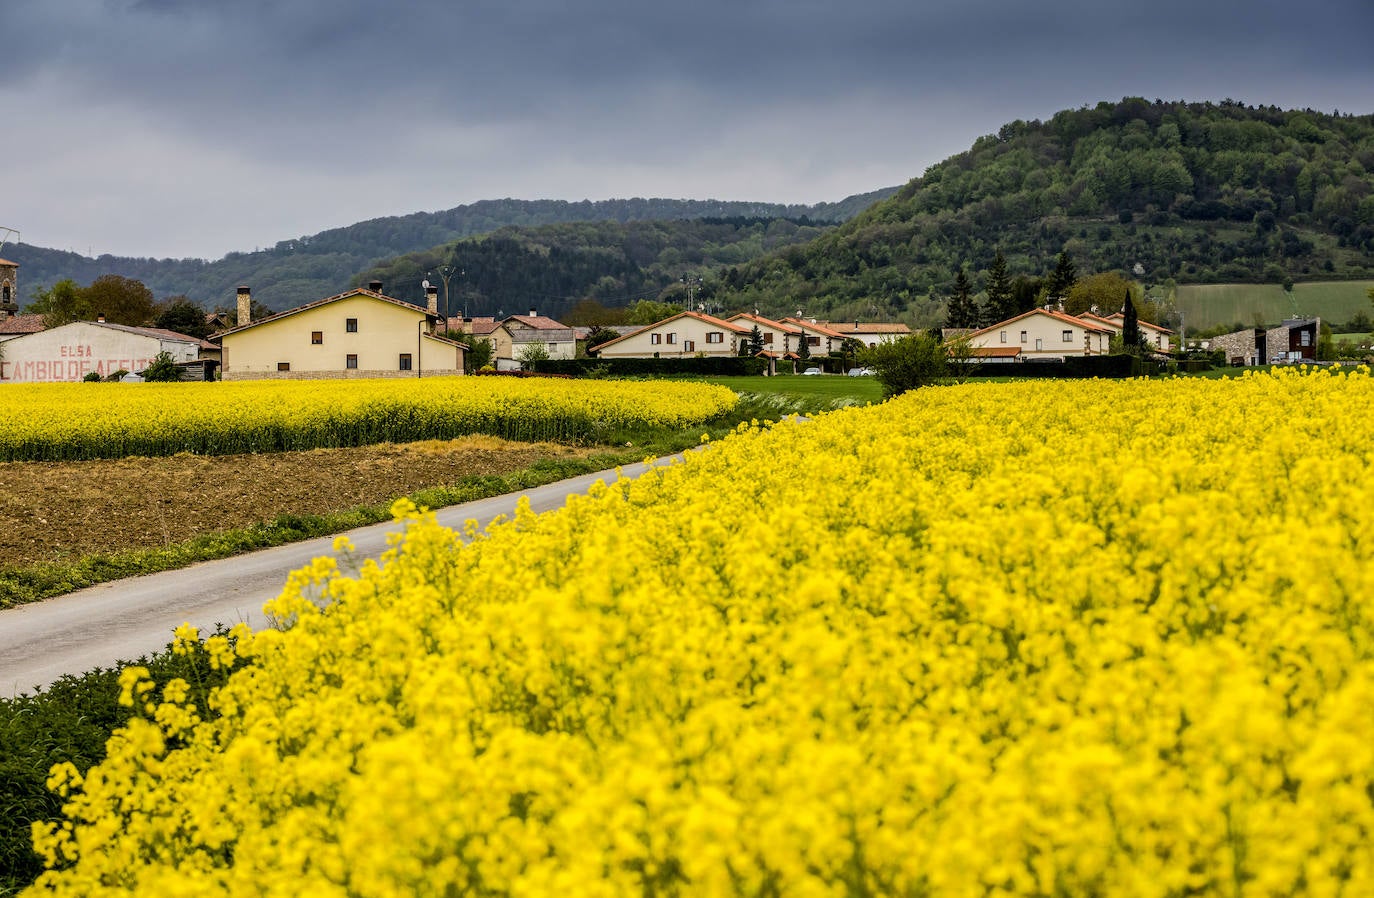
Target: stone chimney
432 299
245 306
374 286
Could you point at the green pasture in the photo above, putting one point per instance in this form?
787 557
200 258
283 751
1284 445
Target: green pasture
1207 305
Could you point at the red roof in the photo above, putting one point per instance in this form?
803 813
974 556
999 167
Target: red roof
538 322
997 352
815 326
22 324
8 263
865 327
1057 316
766 322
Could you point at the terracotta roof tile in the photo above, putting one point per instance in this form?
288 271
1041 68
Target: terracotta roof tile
22 324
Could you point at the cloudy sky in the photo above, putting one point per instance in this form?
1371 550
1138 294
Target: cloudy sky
173 128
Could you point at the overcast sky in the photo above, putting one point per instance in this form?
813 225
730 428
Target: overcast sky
173 128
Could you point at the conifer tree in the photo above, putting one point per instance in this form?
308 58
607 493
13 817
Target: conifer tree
1130 325
963 310
1061 279
755 341
1001 304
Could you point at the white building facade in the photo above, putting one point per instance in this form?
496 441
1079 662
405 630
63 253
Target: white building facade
72 351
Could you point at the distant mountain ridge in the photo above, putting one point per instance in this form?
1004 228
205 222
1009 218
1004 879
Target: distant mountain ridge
308 268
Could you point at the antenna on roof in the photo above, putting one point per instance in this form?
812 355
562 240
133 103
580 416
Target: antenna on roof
6 233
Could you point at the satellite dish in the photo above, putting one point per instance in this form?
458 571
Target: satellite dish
425 283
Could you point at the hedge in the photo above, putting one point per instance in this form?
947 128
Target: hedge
728 366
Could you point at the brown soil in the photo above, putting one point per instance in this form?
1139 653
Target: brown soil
53 511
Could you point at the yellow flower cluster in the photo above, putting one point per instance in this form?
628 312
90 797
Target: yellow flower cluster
46 422
1050 639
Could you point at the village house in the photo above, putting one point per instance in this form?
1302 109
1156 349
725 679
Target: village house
1042 334
872 333
821 338
684 335
518 335
780 340
72 351
1155 338
1293 340
358 333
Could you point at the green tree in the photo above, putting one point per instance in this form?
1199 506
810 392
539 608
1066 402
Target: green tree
60 304
599 335
532 353
162 369
755 345
121 300
648 311
1000 304
479 351
1061 280
906 364
178 313
1101 293
963 310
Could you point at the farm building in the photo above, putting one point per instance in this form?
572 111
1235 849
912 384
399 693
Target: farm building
72 351
359 333
1293 340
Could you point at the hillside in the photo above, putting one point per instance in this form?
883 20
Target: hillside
308 268
1190 193
555 266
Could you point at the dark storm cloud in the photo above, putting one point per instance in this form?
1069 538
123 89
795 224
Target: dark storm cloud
312 113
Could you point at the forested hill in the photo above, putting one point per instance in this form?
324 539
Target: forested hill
309 268
554 267
1188 192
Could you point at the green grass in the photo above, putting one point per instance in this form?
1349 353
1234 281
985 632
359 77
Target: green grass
816 393
1208 305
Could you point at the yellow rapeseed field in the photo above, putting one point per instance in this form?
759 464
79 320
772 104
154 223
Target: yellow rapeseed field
1033 639
54 422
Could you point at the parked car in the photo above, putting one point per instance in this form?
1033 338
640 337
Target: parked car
860 372
812 371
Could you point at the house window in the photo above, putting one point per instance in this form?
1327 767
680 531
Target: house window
672 339
813 341
317 337
1306 338
688 345
283 366
655 339
405 361
1023 337
1068 336
768 339
351 325
715 337
1039 344
350 361
1004 336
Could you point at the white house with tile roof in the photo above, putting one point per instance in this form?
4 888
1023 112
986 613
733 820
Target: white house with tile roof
358 333
821 338
871 333
1044 334
684 335
1156 338
779 339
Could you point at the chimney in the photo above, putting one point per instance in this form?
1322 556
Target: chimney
100 319
432 299
245 306
534 313
374 286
